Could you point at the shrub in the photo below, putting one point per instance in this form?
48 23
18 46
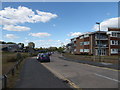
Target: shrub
18 56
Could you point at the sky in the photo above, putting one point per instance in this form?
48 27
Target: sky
54 23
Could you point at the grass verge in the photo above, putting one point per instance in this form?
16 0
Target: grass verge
13 79
106 59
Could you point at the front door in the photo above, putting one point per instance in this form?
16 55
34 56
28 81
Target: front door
101 52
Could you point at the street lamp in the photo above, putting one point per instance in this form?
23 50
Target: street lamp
99 41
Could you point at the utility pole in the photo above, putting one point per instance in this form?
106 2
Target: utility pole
99 50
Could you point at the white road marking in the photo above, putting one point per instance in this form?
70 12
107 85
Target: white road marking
107 77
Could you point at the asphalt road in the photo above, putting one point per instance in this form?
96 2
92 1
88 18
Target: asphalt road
35 75
83 75
100 64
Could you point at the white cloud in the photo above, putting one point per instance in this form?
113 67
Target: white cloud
112 22
44 16
40 34
68 40
47 43
15 28
58 40
11 36
71 34
1 40
26 41
12 16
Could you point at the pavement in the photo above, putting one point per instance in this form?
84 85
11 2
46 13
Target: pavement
100 64
83 75
35 75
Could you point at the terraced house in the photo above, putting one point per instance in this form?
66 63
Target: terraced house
97 43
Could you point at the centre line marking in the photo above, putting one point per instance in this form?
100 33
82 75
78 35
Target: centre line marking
107 77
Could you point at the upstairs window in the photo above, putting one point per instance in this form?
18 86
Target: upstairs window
81 37
86 43
81 43
86 35
114 42
114 34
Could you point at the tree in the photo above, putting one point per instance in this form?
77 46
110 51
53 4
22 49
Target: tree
61 49
10 43
52 48
21 45
31 45
2 42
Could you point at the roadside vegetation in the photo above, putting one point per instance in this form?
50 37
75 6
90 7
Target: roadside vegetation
9 59
106 59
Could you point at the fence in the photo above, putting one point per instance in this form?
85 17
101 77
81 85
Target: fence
12 72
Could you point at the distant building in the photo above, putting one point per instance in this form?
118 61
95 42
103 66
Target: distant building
97 43
9 47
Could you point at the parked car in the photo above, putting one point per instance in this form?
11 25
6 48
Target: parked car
48 53
38 56
43 57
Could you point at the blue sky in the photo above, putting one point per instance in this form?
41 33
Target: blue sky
72 19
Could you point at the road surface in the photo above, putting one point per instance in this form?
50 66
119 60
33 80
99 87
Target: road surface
35 75
83 75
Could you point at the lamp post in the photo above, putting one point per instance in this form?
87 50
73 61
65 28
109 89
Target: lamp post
99 41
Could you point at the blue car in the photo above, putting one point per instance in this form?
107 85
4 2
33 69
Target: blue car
43 57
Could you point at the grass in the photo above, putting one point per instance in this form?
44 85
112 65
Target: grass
106 59
9 59
13 79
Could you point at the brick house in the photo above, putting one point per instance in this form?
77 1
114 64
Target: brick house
97 43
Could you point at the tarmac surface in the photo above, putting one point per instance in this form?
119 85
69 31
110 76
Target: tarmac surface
35 75
84 75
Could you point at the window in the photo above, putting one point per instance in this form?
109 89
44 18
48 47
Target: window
86 50
86 35
114 34
86 43
81 43
114 50
114 42
75 45
81 37
81 50
118 34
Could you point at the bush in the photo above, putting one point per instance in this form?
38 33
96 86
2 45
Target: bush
24 55
84 54
18 56
11 59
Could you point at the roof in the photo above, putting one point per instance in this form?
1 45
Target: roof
113 29
98 32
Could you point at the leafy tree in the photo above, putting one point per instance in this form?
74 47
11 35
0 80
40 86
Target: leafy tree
52 48
61 49
10 43
31 45
2 42
41 48
21 45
